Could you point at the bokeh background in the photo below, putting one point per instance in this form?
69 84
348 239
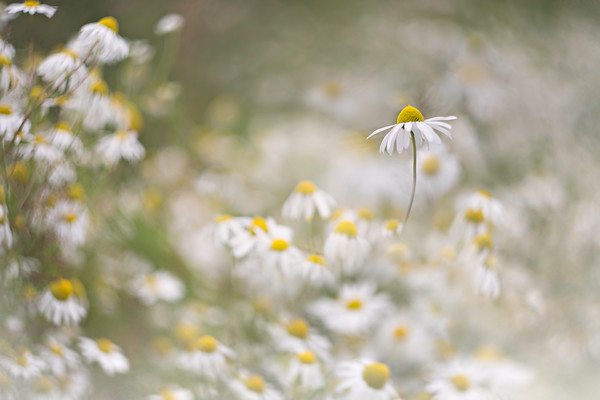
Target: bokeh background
265 93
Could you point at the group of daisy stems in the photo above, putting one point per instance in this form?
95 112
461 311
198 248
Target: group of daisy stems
411 127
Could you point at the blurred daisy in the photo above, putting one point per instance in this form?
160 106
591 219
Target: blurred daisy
365 379
70 221
315 271
411 122
282 255
345 248
105 353
22 364
120 145
207 357
296 335
223 228
62 138
63 302
438 171
403 338
487 280
62 67
172 394
356 309
101 39
155 286
491 208
169 23
11 77
31 7
60 359
258 231
39 148
253 387
6 237
305 370
10 121
305 199
460 380
392 227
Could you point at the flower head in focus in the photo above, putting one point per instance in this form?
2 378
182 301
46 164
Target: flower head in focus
411 122
31 7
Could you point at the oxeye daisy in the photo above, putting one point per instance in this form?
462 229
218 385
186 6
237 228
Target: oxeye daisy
63 302
345 248
412 127
31 7
304 200
155 286
258 232
120 145
296 335
102 40
354 311
22 364
105 353
206 356
305 370
282 255
172 394
365 379
253 387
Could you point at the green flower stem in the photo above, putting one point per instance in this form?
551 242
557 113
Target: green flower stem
414 183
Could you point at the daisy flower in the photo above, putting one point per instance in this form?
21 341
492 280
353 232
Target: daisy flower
11 77
258 231
356 309
492 209
63 302
487 279
296 335
344 247
31 7
172 394
391 228
223 228
105 353
10 121
120 145
155 286
102 39
253 387
62 66
411 124
282 255
305 370
70 221
62 138
207 357
60 359
22 364
365 379
315 271
438 171
39 148
460 380
403 338
169 23
305 199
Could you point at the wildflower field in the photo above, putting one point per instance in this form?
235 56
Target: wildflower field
312 200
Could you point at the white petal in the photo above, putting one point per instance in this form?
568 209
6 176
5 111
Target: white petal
380 130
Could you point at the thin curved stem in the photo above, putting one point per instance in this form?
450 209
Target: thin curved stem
414 183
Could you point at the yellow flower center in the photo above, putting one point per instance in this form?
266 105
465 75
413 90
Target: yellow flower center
6 109
410 114
2 195
308 357
104 345
474 216
279 245
110 23
306 187
354 304
69 217
61 289
5 61
223 218
31 3
76 192
347 228
185 332
56 349
484 241
122 135
298 328
401 332
376 375
63 126
365 213
431 165
255 383
317 259
258 222
22 359
70 52
484 193
207 344
99 87
61 101
460 382
488 354
168 395
332 89
392 225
